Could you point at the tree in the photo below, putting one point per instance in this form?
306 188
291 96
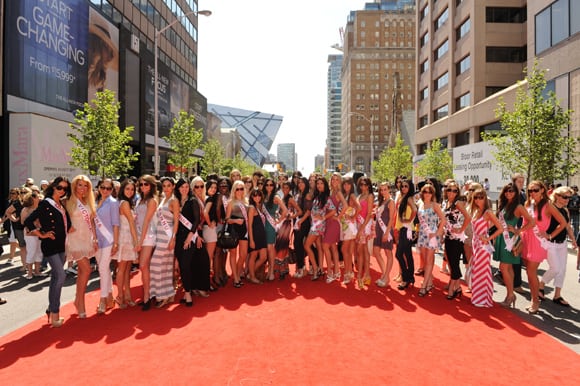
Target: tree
534 138
245 167
213 159
437 163
184 140
394 161
100 146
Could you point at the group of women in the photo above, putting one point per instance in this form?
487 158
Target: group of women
336 223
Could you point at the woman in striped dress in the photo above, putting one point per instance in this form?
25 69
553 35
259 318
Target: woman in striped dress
163 259
481 279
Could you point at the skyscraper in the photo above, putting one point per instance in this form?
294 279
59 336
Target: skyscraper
334 95
287 155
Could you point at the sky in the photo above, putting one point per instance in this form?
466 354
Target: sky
272 56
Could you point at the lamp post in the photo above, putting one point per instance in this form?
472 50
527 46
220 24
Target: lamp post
370 121
155 80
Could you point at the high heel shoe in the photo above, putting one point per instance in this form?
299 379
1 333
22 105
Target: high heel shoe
101 308
533 309
422 291
361 283
455 294
81 314
54 322
402 286
509 302
316 275
147 305
120 303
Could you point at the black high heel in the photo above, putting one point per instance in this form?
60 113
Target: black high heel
47 316
147 305
457 293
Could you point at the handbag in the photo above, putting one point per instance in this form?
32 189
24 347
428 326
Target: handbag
227 237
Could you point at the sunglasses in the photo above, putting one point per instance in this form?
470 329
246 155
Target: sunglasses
144 184
510 191
238 189
536 190
106 188
198 186
472 190
452 191
60 187
566 197
478 198
427 192
405 186
269 184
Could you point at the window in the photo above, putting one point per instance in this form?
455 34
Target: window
463 65
505 54
424 66
490 90
458 3
424 94
441 19
560 27
574 17
424 39
441 50
463 29
441 81
463 101
542 24
462 138
441 112
424 12
505 15
423 121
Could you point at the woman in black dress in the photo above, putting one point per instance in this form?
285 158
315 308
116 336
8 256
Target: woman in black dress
189 249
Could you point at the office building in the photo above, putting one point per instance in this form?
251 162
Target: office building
287 156
378 79
489 45
334 97
57 54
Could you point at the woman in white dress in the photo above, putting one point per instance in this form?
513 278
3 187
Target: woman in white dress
81 242
128 242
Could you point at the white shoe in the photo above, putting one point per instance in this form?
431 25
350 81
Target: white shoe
329 277
347 278
381 283
71 270
299 274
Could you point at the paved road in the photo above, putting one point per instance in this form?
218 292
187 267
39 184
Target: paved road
27 301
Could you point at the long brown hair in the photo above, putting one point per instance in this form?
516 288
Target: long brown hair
543 201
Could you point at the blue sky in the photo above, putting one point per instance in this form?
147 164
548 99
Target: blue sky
271 56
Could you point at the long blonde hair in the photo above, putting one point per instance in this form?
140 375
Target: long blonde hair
71 203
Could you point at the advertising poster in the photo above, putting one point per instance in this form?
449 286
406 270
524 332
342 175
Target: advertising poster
103 55
476 162
39 148
163 95
46 54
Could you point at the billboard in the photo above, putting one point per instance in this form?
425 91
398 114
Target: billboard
39 148
59 52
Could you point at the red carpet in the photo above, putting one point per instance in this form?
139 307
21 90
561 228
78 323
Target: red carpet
290 332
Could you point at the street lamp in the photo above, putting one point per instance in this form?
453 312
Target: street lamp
370 121
155 92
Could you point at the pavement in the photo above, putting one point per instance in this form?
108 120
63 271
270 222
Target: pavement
28 299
